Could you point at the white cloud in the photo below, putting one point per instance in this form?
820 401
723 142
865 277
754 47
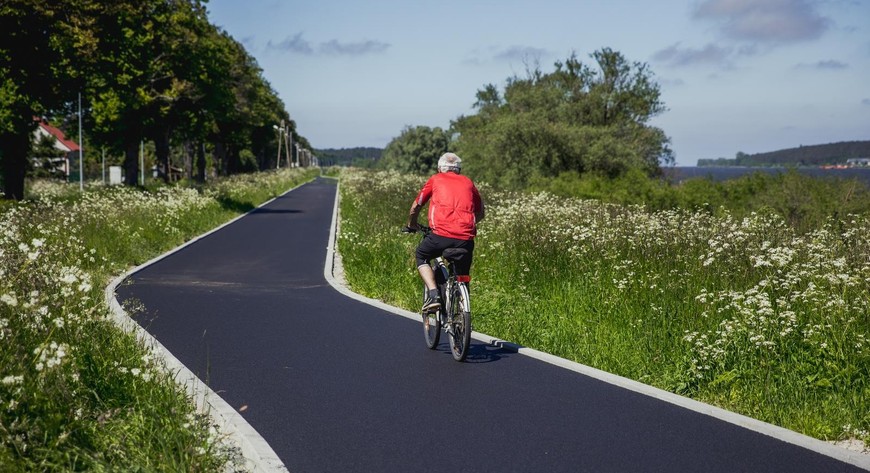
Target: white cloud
353 49
297 44
520 53
293 44
827 65
710 54
774 21
529 55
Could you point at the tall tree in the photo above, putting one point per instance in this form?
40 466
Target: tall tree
181 64
34 36
148 69
129 76
578 118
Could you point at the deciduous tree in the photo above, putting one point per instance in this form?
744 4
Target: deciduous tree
34 40
577 118
147 69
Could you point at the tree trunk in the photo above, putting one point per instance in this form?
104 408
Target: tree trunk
14 150
220 154
233 161
161 145
200 162
131 164
188 160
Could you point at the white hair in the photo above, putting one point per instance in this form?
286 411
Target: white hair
449 162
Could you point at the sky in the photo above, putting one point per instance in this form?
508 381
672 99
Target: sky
735 75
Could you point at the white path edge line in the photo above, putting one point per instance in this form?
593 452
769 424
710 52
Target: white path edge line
770 430
258 454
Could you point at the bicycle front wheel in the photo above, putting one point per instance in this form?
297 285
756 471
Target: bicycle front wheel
460 324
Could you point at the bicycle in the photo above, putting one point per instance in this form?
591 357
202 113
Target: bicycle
454 315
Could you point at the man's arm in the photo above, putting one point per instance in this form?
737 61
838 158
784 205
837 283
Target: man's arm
419 202
479 210
414 213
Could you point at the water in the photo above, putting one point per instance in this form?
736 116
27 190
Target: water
681 173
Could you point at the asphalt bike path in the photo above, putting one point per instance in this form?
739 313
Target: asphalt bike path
334 384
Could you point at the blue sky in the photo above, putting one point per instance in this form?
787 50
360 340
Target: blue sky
736 75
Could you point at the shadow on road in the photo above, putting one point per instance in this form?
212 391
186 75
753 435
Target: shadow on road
480 353
275 211
235 205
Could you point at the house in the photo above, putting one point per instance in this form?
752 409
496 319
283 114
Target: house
67 147
858 162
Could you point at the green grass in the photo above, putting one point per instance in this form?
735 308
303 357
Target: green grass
76 392
748 313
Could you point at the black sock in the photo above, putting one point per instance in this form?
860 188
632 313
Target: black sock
433 293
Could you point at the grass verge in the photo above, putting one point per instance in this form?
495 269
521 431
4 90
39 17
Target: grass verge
76 392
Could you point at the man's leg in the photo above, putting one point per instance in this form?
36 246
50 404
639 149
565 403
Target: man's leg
432 300
427 275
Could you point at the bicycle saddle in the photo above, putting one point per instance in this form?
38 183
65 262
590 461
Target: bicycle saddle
454 254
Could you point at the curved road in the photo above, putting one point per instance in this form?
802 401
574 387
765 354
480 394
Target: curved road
334 384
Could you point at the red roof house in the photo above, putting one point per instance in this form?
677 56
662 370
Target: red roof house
61 142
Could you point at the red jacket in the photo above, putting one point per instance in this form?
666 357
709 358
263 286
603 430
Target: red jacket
455 200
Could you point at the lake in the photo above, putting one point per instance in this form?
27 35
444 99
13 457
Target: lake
681 173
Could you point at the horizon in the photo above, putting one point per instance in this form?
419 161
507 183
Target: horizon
752 154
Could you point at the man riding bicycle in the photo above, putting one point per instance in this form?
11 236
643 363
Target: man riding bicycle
454 211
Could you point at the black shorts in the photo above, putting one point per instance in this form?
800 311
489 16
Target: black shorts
433 245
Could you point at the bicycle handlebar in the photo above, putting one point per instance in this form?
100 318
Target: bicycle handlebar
424 229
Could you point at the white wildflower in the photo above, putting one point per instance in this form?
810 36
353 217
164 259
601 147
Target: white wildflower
9 299
12 380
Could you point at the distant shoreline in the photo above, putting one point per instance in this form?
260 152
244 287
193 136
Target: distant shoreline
774 166
723 173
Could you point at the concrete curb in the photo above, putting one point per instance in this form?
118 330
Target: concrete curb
256 454
333 263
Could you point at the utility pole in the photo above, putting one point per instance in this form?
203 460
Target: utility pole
280 138
142 163
287 141
81 149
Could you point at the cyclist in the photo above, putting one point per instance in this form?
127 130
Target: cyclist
454 211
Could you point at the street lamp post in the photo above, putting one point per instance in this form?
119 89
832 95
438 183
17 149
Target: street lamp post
81 148
288 140
280 136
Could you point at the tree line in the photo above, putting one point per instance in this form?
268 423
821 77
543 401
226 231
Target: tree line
813 155
153 70
584 118
358 157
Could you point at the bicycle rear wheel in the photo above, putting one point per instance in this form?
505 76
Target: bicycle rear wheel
460 324
431 326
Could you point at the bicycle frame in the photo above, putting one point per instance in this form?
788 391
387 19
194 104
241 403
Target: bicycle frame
451 281
454 315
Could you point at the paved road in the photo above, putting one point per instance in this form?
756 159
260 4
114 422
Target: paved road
337 385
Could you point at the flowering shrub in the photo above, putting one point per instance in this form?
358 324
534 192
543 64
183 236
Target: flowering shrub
744 312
